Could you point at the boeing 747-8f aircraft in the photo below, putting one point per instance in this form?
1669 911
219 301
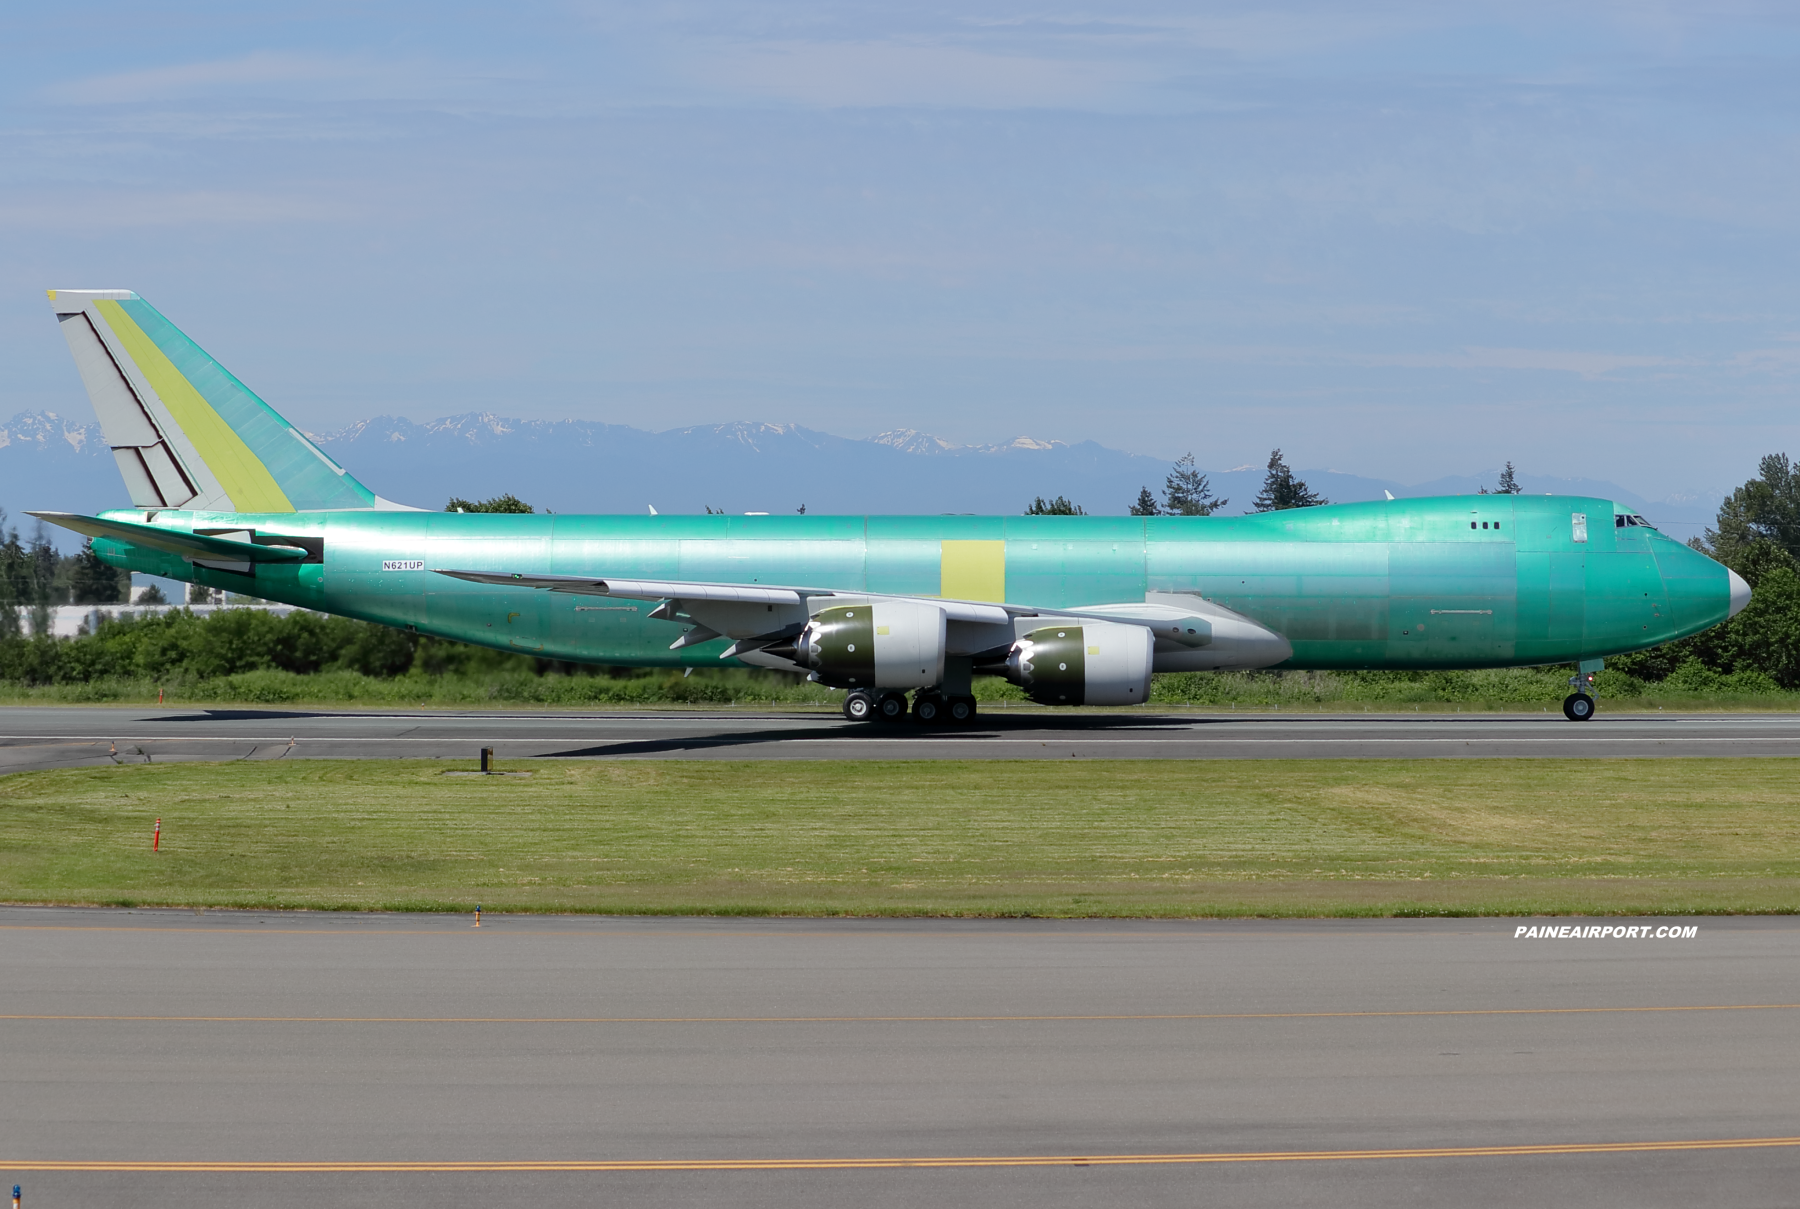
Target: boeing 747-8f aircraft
1073 609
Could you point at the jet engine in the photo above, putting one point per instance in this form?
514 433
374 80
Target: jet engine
877 644
1092 663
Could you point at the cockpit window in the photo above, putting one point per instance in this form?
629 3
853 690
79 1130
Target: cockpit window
1623 520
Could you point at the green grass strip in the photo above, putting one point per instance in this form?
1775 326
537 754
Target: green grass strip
998 838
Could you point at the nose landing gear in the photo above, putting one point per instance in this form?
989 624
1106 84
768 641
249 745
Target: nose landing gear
1579 705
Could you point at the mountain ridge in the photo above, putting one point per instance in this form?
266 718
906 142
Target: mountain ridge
52 461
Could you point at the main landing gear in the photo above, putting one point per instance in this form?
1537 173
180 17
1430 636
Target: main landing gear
932 708
929 707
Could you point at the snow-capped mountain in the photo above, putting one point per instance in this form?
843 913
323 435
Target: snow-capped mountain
51 461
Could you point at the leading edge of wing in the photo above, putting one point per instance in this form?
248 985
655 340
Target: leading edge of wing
671 589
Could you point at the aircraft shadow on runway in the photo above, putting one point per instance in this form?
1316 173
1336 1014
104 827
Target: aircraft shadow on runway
255 715
989 727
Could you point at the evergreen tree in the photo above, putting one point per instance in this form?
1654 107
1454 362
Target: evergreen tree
1509 484
1056 507
1281 490
41 563
500 503
14 581
92 581
1186 493
1146 504
1765 509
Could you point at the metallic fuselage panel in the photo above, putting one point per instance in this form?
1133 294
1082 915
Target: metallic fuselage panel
1400 584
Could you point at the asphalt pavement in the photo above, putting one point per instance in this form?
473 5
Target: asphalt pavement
164 1058
58 737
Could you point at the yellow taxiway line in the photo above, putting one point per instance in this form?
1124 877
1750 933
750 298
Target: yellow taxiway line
1088 1160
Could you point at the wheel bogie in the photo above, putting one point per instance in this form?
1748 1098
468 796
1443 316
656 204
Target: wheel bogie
929 707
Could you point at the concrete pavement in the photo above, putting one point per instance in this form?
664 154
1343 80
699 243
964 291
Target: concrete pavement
745 1061
32 738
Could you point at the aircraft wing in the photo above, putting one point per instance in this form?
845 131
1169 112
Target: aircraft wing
1159 610
1189 632
981 612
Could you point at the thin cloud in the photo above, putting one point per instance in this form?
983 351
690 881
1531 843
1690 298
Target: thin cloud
1786 357
893 73
123 208
1585 364
189 79
315 77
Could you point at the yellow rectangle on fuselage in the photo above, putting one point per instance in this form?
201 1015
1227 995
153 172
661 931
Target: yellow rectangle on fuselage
972 571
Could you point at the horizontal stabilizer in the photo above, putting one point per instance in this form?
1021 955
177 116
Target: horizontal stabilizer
173 541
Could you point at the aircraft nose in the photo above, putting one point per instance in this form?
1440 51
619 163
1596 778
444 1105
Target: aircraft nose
1740 593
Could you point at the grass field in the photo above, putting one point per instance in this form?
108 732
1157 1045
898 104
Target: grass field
992 838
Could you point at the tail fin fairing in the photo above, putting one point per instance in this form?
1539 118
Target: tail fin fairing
185 432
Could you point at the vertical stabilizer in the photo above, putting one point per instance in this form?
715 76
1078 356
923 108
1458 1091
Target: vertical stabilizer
185 432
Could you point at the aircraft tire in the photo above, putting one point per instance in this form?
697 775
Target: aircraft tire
859 706
928 709
1578 707
961 710
890 707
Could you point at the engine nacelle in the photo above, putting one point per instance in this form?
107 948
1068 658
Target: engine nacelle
877 644
1089 663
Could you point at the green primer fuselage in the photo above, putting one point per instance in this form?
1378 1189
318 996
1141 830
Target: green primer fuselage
1415 583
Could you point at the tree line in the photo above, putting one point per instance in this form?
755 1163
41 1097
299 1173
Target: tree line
1757 534
1187 492
35 578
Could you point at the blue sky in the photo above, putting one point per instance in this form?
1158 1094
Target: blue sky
1404 240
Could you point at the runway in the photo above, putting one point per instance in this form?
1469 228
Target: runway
172 1058
36 738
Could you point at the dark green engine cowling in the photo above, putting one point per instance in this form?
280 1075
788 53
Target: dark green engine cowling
839 646
1094 663
878 644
